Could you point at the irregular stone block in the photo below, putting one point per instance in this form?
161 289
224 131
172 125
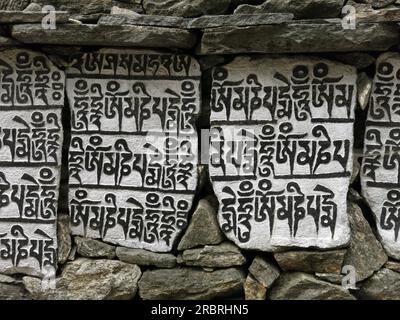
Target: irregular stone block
383 285
364 86
302 286
393 265
100 35
311 261
203 228
64 240
15 17
14 5
281 155
31 100
91 248
264 272
220 256
13 292
253 290
85 279
190 284
146 258
133 153
299 37
380 172
360 60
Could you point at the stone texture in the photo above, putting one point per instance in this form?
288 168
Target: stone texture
302 286
64 240
85 279
146 258
302 9
33 7
14 5
13 292
253 290
203 228
8 42
393 265
387 15
270 222
100 35
15 17
91 248
380 173
383 285
365 253
185 8
360 60
364 86
311 261
299 38
123 11
220 256
264 271
330 277
143 20
190 284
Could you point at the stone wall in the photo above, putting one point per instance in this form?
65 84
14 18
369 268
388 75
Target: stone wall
176 149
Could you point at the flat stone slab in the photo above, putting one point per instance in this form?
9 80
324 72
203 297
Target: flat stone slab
281 151
380 173
31 136
14 17
133 151
101 35
299 37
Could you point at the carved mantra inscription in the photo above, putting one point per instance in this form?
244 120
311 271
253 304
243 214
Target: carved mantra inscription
133 153
380 174
31 100
281 151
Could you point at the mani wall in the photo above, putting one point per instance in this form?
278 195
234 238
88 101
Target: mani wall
176 149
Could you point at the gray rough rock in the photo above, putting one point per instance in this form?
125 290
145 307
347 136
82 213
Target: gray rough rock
118 10
330 277
86 279
72 254
13 292
383 285
64 241
128 36
311 261
253 290
7 279
8 42
33 7
263 271
302 9
379 4
387 15
185 8
356 168
203 228
14 5
146 258
190 284
298 38
360 60
143 20
393 265
365 253
219 256
364 87
15 17
91 248
303 286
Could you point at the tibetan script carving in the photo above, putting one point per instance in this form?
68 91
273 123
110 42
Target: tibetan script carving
31 101
133 152
281 151
380 173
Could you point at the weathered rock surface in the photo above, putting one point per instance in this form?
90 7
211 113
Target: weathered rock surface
219 256
330 277
302 286
311 261
64 240
264 271
299 38
393 265
33 7
15 17
85 279
383 285
146 258
185 8
143 20
364 86
254 290
203 228
360 60
14 5
190 284
123 11
100 35
302 9
365 253
91 248
13 292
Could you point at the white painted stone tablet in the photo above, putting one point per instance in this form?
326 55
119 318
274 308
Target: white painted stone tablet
31 135
281 151
133 153
380 173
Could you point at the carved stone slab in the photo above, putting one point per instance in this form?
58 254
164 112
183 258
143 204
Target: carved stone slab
31 101
380 173
133 153
281 151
